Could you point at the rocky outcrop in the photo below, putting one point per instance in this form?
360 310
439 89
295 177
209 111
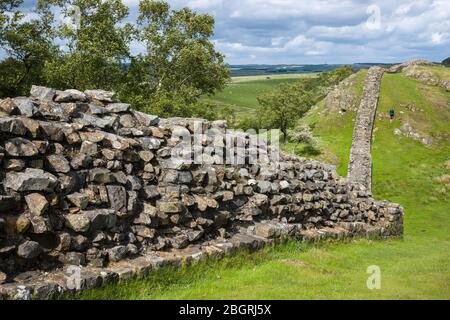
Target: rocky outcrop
342 97
360 164
408 64
446 62
426 77
408 131
87 181
412 70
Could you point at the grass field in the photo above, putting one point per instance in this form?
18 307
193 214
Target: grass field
439 72
242 92
405 171
269 78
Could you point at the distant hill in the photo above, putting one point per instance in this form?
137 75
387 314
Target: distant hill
446 62
256 70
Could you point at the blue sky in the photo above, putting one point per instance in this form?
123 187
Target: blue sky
324 31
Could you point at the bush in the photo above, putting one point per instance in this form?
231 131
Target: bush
303 134
249 122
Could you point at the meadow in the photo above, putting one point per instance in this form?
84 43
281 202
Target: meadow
242 92
416 266
436 71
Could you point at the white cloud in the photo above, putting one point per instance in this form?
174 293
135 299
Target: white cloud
346 31
324 31
437 38
277 41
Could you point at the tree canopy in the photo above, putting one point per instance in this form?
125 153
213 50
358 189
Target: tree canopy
27 44
91 48
97 42
179 63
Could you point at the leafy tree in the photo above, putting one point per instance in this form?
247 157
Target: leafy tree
180 63
27 42
334 77
229 114
7 6
282 107
98 44
249 123
178 66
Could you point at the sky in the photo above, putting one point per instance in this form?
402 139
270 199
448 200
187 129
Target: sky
323 31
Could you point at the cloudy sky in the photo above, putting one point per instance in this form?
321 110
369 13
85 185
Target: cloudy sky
325 31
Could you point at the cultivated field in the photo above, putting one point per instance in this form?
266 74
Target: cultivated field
242 92
272 77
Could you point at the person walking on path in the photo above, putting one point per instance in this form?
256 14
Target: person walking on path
392 114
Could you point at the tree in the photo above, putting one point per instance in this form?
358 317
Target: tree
282 107
7 6
180 63
97 41
336 76
27 42
228 114
178 66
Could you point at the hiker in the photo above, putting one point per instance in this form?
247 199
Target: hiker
392 114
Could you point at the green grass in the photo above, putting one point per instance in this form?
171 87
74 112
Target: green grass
272 77
439 72
432 115
242 92
415 267
335 131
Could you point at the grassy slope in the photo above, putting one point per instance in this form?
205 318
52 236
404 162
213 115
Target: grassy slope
439 72
335 131
242 92
416 267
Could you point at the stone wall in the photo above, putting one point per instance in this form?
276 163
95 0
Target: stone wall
402 66
360 164
87 181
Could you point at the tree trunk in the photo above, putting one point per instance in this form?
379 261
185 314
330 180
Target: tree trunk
285 138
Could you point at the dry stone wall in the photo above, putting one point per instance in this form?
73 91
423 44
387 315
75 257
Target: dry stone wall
87 181
360 164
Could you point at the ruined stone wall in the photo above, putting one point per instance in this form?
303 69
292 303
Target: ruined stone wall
87 181
412 71
360 164
402 66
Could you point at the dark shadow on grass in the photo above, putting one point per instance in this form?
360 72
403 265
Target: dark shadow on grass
307 151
